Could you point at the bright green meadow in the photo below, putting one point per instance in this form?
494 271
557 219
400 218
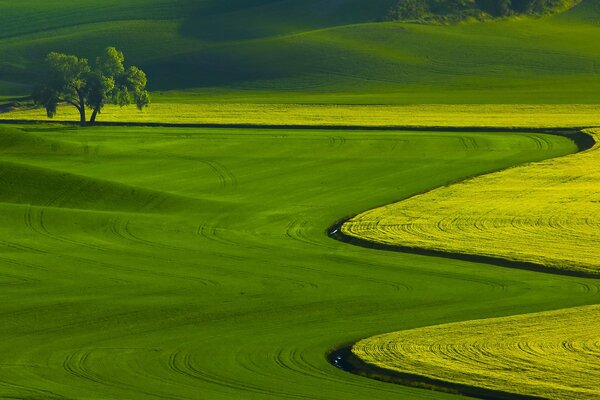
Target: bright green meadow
177 263
194 263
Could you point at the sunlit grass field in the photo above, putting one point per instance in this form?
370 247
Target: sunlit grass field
546 213
173 263
186 262
551 355
435 115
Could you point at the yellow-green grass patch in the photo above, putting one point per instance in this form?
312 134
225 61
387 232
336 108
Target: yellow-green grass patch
469 115
547 213
553 355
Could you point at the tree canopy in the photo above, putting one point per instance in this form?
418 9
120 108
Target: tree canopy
456 9
71 80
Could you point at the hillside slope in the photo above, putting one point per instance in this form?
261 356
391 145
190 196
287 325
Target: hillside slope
111 295
288 50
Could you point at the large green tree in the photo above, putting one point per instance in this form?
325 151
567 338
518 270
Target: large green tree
71 80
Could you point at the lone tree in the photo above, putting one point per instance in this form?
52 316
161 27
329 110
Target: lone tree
72 80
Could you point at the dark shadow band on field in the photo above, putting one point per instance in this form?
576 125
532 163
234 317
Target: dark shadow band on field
335 232
346 360
581 139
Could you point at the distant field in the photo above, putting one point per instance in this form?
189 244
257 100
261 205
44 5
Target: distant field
320 51
172 263
546 213
519 116
552 355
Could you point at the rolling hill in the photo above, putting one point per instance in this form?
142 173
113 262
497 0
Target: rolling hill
193 263
313 51
177 262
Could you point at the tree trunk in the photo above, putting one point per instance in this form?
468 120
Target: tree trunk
82 120
93 117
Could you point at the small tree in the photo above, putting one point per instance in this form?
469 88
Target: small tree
71 80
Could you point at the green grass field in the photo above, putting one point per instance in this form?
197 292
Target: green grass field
302 51
543 213
193 263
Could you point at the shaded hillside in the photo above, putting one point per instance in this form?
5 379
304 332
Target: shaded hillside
313 51
248 19
210 18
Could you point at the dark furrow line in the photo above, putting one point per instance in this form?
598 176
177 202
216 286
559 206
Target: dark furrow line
335 232
343 358
580 138
346 360
562 131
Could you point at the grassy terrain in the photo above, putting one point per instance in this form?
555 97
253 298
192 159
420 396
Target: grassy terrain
184 263
472 115
38 15
180 263
546 213
552 355
313 51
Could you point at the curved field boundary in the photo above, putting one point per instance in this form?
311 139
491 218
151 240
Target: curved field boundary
543 213
335 232
346 360
583 141
513 354
344 357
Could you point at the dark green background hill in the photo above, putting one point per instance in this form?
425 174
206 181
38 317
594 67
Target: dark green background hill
312 50
456 10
